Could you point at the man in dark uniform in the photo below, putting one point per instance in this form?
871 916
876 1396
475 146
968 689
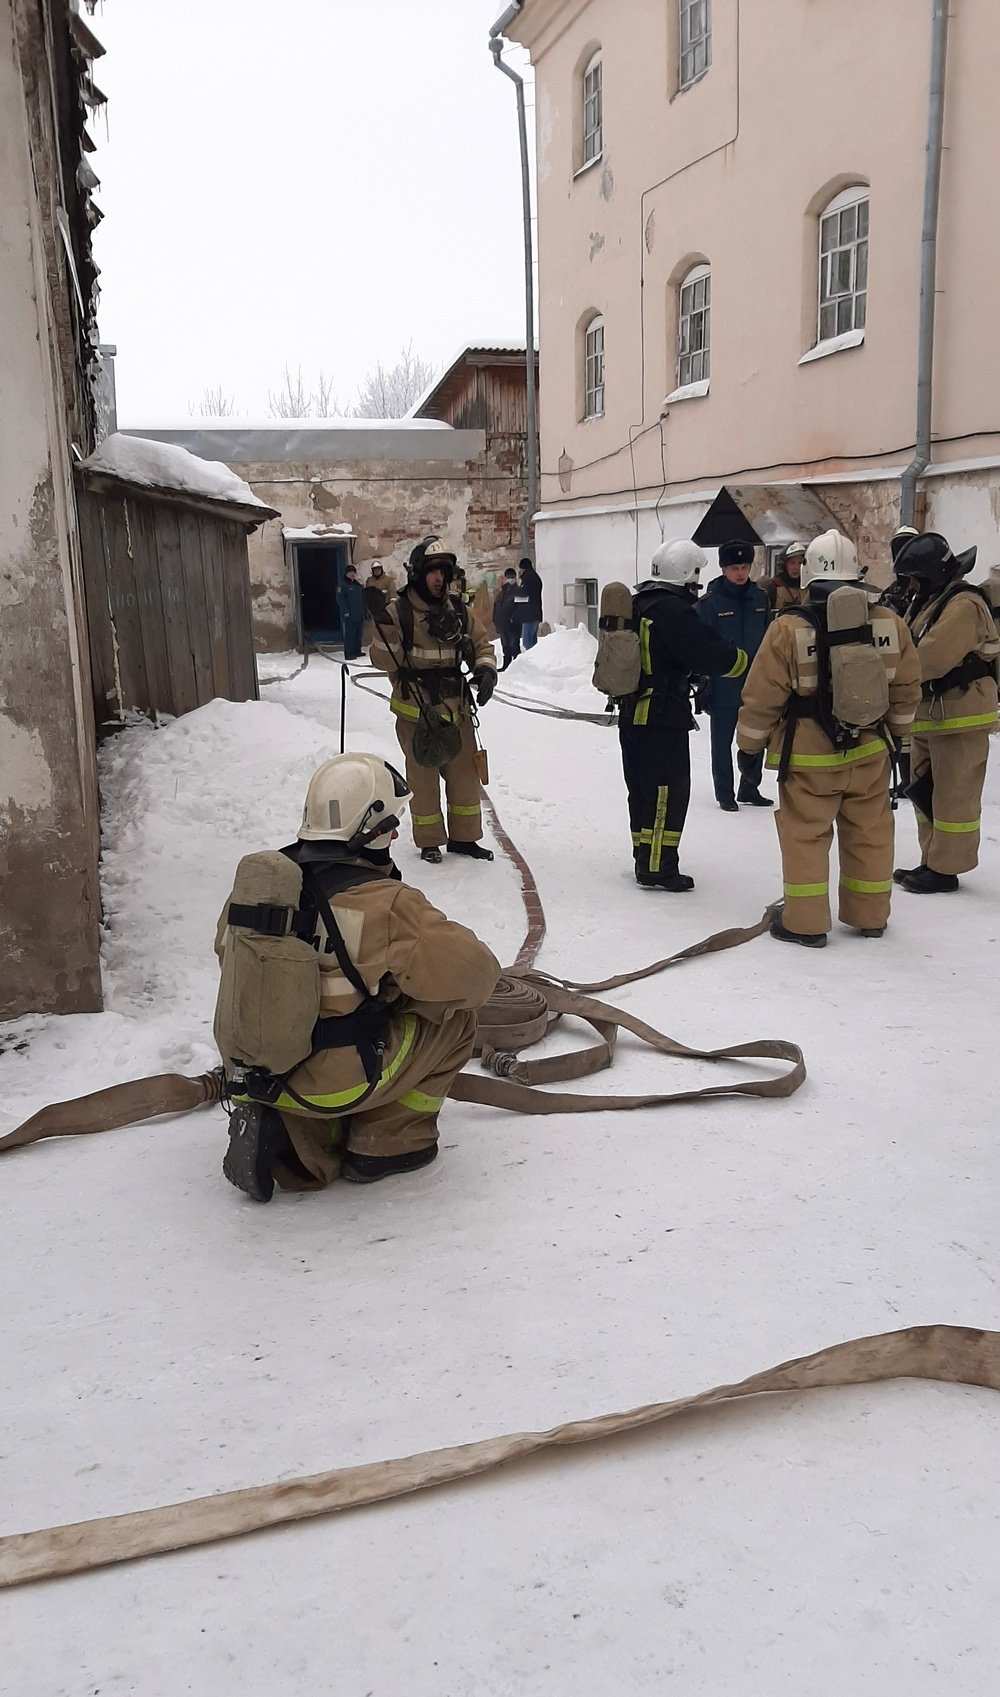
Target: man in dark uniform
655 724
738 609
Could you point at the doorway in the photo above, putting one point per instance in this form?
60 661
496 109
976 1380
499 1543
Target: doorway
319 569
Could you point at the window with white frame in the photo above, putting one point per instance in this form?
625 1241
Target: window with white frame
593 110
843 265
694 327
593 369
695 22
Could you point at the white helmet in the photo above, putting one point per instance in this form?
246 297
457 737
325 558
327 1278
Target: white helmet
679 562
354 799
831 557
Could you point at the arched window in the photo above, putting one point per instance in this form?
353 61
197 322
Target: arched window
695 25
843 264
593 110
593 368
694 327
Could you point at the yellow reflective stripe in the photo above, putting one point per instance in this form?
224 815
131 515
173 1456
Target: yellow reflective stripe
656 845
807 889
645 626
671 839
403 709
842 759
866 887
465 812
344 1098
428 818
740 666
944 825
641 713
975 722
420 1103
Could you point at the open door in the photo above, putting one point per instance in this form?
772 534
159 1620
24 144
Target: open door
317 572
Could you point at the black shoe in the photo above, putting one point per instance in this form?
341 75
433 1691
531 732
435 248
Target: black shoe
472 851
901 873
808 939
368 1169
872 930
433 856
753 798
257 1138
925 882
729 806
675 881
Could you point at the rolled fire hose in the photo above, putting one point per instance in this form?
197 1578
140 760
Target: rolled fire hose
948 1354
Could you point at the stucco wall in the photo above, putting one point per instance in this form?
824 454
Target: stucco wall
48 814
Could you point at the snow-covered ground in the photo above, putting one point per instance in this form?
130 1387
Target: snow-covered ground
162 1338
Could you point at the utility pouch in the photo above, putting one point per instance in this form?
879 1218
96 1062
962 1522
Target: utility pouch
436 741
481 762
269 994
921 793
618 667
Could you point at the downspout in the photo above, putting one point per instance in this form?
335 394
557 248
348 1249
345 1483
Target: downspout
928 263
496 48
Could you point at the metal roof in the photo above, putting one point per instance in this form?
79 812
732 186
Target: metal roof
767 514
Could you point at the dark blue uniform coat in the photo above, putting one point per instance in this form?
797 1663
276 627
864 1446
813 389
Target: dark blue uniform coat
737 613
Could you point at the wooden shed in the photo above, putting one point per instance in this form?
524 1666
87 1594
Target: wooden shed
168 596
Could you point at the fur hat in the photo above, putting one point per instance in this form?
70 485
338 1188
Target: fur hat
736 554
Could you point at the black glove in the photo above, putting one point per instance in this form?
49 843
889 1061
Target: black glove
485 680
702 694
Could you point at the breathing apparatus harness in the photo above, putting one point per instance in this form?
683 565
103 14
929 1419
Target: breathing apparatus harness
973 667
437 740
818 706
366 1027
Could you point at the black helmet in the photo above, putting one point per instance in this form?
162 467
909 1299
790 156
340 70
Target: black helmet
929 558
431 555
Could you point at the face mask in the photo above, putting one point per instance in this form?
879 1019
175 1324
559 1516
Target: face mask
444 623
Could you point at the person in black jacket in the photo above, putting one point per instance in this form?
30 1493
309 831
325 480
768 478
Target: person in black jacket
504 623
527 606
352 609
654 725
739 610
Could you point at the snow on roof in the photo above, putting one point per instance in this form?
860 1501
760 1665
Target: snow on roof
315 532
160 465
335 422
497 346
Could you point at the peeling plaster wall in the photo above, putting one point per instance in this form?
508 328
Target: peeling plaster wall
49 902
474 506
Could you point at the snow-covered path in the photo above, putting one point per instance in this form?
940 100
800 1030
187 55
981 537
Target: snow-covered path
161 1338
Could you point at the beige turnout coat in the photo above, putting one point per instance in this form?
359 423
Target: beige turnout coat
426 653
965 626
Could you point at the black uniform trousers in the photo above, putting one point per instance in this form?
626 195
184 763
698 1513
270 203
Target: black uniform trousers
723 715
657 765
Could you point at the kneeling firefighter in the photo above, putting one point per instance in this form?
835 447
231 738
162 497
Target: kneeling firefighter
836 681
348 1003
422 641
673 652
954 628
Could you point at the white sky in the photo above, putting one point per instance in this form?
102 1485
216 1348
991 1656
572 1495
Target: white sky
312 181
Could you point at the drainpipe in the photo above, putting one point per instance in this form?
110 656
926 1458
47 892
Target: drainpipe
928 263
496 48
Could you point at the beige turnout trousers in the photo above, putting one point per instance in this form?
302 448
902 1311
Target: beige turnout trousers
463 791
401 1116
855 798
949 843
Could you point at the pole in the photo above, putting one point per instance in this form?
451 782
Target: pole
496 48
344 675
928 262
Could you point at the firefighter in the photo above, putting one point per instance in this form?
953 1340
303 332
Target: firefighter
957 645
399 988
655 723
425 637
827 775
785 589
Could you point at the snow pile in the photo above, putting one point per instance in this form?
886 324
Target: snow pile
557 672
315 532
158 465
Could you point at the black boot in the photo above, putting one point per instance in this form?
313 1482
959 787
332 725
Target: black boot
368 1169
472 851
925 882
872 930
669 876
902 873
433 856
257 1138
751 797
729 806
808 939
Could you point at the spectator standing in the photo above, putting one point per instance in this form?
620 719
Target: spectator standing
738 611
528 604
351 607
504 623
785 589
